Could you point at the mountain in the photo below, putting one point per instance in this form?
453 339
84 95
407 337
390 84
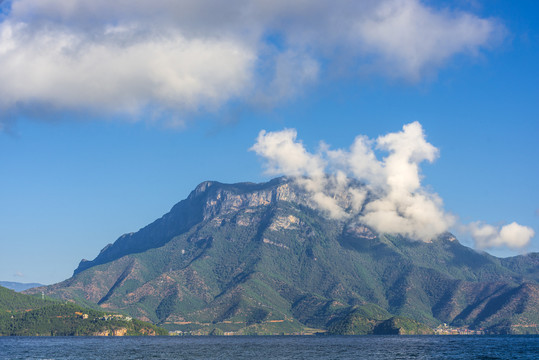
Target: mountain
28 315
259 258
17 286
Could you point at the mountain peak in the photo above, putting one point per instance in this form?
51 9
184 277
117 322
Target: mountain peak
202 187
207 200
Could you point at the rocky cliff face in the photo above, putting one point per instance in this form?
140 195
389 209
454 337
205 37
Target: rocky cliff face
260 258
209 200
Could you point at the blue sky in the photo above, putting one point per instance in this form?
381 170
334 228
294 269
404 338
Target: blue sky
107 120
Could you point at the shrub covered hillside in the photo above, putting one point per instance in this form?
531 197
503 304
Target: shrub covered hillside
27 316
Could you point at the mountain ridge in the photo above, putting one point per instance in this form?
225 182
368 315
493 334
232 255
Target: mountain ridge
260 257
180 210
18 286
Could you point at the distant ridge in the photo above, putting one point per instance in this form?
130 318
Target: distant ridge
17 286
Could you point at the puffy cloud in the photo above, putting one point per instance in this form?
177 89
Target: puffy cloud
70 71
405 208
417 215
406 150
396 32
182 56
400 205
360 161
385 194
286 156
513 235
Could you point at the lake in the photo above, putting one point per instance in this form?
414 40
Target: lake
272 347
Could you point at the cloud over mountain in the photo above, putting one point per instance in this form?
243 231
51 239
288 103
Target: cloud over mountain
186 56
392 200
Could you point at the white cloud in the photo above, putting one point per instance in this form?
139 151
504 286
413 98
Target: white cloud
513 235
286 156
385 194
188 55
406 208
411 38
417 215
360 161
406 150
69 71
400 206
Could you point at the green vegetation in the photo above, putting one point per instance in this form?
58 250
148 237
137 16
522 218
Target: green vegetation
13 301
402 326
360 321
371 319
72 320
24 315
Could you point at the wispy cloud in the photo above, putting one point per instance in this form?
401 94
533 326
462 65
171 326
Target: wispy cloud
386 194
191 55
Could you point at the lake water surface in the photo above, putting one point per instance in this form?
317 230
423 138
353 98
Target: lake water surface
274 347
